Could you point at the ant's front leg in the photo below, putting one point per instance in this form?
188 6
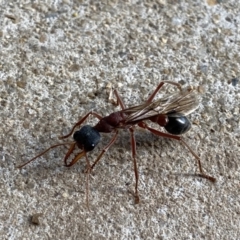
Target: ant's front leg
80 122
105 149
119 99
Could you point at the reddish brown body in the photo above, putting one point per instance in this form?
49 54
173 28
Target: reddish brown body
117 120
111 122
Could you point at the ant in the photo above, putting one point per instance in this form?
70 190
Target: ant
168 112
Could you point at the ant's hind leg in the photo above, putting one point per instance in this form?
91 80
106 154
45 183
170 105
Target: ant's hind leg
80 122
178 138
151 97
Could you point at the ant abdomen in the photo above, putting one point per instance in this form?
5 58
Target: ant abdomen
177 123
87 138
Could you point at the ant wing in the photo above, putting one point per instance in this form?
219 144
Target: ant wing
184 102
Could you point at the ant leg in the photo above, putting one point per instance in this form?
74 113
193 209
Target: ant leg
105 149
80 122
119 99
39 155
160 86
178 138
133 144
87 180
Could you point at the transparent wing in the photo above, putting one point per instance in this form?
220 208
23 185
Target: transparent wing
184 102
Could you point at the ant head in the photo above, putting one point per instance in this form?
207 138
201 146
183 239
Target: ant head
87 138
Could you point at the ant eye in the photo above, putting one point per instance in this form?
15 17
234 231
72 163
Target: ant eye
87 137
89 147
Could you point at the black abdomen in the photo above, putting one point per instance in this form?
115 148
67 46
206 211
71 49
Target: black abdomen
177 124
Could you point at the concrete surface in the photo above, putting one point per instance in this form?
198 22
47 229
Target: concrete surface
58 62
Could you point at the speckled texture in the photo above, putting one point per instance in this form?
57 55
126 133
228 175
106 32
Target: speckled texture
57 61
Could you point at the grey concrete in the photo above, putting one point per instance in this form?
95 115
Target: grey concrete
58 61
